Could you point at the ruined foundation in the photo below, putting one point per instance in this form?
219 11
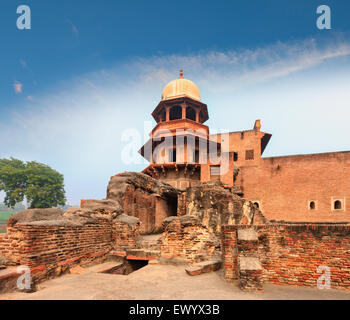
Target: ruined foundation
139 224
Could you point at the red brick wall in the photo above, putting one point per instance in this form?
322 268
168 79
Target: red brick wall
10 243
51 244
285 185
291 253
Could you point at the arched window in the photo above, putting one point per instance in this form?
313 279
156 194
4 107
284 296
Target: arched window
175 113
256 204
337 205
312 205
190 113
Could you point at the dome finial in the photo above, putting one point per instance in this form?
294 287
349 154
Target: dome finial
181 87
181 74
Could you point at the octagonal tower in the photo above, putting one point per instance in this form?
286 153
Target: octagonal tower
179 143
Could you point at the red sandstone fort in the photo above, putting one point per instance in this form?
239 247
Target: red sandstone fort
312 187
212 201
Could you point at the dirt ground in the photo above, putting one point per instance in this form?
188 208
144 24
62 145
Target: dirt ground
161 282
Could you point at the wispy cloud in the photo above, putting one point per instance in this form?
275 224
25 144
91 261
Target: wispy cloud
74 28
18 87
23 63
246 66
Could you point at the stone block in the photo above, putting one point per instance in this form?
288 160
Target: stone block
250 274
247 235
203 267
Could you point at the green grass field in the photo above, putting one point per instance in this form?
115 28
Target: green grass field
4 215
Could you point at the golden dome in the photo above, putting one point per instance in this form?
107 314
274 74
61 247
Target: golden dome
181 88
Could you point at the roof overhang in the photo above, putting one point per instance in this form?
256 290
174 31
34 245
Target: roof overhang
179 100
148 148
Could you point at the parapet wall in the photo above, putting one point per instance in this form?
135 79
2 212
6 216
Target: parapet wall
290 254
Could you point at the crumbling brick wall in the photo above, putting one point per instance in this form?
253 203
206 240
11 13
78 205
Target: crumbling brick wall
290 254
10 244
58 237
51 247
126 230
42 243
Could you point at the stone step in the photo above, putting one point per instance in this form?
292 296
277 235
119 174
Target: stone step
103 267
149 242
203 267
250 274
142 254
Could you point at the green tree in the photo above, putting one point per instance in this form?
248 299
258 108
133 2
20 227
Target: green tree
13 180
41 185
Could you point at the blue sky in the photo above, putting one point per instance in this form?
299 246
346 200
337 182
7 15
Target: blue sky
89 70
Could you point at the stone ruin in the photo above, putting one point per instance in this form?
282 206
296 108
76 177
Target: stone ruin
204 227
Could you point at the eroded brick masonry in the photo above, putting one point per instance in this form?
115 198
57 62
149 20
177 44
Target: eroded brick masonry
291 254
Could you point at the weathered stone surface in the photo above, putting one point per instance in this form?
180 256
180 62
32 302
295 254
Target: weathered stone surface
4 262
168 220
203 267
236 190
250 274
259 218
78 270
118 185
142 196
92 209
186 238
247 235
55 217
59 223
249 263
216 205
172 260
124 218
31 215
103 205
